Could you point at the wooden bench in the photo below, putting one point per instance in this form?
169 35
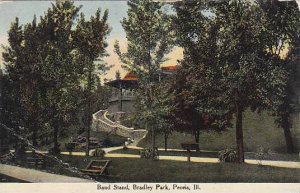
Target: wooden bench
97 168
36 161
189 147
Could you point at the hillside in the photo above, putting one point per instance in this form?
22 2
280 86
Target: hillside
259 130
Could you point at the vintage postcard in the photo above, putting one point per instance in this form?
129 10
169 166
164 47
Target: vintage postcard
149 96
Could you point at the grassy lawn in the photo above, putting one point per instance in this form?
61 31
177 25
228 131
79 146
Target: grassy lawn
248 155
143 170
146 170
259 130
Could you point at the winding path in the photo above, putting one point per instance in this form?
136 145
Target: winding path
102 123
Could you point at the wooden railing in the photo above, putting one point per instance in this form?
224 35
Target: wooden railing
102 123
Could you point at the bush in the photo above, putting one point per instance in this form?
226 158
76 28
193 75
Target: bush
261 154
228 155
147 153
99 153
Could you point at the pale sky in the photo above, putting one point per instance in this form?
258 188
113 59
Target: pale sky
25 10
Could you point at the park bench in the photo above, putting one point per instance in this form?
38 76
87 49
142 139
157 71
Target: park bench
37 160
97 168
189 147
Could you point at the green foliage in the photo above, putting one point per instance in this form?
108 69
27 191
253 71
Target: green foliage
283 25
46 64
228 155
260 154
194 92
150 37
99 153
228 61
147 153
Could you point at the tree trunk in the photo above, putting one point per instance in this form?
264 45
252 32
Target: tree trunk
239 133
197 138
88 138
89 112
166 141
288 135
55 140
34 136
153 143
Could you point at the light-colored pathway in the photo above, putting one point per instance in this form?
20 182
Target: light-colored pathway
283 164
35 176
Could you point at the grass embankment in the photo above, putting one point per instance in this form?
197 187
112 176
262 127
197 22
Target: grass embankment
259 130
144 170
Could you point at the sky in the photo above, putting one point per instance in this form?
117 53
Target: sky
25 10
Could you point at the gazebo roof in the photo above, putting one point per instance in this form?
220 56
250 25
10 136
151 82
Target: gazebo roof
130 79
169 68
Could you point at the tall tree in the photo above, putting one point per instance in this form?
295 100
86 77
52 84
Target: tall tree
61 71
91 41
283 24
149 36
194 93
46 64
239 71
23 70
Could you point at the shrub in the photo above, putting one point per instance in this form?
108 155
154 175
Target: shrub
228 155
261 154
99 153
147 153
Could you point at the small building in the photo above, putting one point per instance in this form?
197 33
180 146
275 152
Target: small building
123 95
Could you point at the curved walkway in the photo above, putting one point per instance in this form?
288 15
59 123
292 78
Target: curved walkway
281 164
102 123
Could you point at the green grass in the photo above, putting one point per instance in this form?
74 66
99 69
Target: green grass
211 154
144 170
259 130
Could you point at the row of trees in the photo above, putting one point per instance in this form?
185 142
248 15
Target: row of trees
232 62
51 72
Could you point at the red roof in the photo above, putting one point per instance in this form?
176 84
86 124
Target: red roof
169 68
132 76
